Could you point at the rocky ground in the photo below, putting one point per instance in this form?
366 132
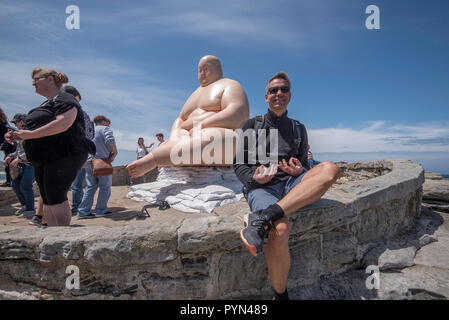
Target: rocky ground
411 266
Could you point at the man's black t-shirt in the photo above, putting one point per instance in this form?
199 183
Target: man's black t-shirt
286 149
70 142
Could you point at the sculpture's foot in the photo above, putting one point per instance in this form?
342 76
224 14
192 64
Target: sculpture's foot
139 167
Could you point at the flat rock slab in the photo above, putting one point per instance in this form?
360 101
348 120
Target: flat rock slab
436 188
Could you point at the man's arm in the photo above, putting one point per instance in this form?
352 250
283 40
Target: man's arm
109 140
245 171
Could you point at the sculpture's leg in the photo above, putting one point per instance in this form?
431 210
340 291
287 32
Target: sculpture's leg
206 147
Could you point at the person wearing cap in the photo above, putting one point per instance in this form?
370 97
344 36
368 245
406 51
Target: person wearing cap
23 183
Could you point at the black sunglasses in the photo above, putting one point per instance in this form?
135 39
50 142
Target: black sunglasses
274 90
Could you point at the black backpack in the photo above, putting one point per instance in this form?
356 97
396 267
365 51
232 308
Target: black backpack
89 127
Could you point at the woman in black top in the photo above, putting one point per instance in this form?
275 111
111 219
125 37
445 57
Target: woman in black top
55 143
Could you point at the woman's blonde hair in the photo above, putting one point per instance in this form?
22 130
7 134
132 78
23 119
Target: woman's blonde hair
59 77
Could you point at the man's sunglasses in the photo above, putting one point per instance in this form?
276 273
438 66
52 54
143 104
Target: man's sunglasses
274 90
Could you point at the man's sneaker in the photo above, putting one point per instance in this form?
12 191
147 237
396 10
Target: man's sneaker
256 229
85 216
27 214
74 211
280 296
36 221
105 214
257 225
20 211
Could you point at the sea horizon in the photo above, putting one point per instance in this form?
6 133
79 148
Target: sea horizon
436 162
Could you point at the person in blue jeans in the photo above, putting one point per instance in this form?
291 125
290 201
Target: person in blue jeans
106 149
312 162
77 184
23 184
77 189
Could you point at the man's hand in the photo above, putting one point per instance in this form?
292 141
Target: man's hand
15 163
9 137
264 175
7 161
293 167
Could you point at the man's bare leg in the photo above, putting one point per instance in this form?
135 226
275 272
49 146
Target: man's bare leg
312 187
277 254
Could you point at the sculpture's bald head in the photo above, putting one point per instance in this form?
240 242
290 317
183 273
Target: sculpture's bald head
209 70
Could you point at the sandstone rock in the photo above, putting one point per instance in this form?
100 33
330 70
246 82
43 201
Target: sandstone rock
432 176
397 259
436 190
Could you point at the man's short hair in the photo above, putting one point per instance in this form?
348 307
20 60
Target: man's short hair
160 135
100 118
72 90
279 75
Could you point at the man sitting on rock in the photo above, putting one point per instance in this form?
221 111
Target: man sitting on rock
273 194
215 109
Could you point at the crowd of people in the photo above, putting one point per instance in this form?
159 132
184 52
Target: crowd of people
54 145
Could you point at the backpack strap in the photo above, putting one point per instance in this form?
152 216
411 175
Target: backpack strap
296 127
260 120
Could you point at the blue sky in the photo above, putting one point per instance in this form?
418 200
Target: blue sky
361 93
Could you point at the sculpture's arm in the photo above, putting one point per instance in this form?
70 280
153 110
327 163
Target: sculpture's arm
235 109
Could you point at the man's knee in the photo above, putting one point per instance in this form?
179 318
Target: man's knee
330 170
280 233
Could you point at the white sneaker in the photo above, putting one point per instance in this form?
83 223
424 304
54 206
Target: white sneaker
20 211
27 214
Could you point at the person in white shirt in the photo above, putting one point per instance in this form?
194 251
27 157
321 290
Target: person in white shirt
142 149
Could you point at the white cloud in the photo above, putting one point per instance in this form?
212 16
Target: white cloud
107 87
382 136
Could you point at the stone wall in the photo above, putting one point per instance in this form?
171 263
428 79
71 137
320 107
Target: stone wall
8 196
201 256
120 177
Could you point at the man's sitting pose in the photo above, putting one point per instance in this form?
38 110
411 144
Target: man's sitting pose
216 108
281 189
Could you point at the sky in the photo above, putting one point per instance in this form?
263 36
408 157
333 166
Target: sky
363 94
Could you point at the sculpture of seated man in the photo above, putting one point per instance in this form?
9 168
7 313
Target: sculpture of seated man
215 109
